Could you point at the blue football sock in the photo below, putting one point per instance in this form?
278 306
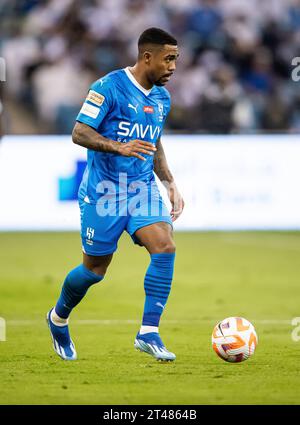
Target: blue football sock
74 289
157 285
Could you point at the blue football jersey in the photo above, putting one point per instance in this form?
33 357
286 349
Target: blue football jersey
119 108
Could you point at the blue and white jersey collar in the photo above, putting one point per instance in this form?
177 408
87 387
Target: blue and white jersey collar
137 84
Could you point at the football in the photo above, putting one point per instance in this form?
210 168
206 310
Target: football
234 339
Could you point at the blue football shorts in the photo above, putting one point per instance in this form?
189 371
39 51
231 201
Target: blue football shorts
103 223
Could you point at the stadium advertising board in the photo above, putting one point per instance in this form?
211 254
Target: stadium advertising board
228 182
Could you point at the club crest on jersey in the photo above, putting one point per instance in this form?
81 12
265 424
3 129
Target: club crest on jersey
148 109
161 112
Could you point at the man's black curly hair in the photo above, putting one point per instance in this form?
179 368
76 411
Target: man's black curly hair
156 36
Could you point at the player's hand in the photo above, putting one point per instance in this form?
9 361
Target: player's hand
135 148
176 201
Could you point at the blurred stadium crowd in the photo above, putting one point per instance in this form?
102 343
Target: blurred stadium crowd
233 74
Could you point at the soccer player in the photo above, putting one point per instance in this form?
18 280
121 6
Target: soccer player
120 123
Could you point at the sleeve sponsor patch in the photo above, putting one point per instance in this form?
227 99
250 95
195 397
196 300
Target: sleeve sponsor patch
89 110
95 97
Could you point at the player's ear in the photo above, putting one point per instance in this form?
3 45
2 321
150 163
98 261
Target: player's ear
147 57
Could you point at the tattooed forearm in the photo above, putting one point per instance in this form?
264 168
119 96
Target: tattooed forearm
161 167
85 136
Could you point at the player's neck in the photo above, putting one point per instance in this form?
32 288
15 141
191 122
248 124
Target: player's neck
140 76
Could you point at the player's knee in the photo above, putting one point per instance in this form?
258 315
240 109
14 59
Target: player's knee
170 247
100 270
97 265
166 247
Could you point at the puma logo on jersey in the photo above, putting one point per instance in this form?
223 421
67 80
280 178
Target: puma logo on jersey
133 107
138 131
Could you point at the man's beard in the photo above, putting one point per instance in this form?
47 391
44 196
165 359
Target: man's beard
159 83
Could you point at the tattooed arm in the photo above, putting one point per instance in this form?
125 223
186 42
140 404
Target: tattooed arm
164 174
85 136
161 167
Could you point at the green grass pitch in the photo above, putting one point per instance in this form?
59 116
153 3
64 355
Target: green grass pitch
253 275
